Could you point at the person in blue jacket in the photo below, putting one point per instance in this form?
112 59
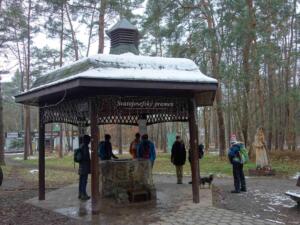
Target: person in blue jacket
237 167
146 150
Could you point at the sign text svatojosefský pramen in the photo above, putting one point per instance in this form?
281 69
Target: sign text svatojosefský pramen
145 104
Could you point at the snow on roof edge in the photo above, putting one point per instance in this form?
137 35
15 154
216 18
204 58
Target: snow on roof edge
90 76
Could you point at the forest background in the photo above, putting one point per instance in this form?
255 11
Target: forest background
251 47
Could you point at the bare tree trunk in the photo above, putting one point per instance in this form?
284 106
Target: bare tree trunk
101 26
163 137
61 136
119 132
206 128
90 32
215 71
74 40
51 138
60 150
291 135
247 70
270 110
72 137
67 137
27 136
2 159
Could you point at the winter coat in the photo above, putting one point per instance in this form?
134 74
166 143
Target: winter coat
178 153
146 150
200 150
134 148
234 154
85 163
105 151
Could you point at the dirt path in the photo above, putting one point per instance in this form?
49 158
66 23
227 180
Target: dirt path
14 191
265 199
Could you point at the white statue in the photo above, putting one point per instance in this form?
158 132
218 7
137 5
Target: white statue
260 149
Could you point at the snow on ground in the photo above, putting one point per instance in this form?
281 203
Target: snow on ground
275 221
33 171
296 175
32 157
274 199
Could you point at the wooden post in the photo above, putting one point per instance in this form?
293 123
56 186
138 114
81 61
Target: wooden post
41 156
194 148
94 159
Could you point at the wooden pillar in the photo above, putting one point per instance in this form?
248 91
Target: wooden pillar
194 147
94 159
41 156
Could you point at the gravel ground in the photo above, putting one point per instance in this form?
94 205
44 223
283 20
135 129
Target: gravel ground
265 199
13 211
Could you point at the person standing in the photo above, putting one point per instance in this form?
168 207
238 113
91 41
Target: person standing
178 157
105 149
200 154
146 150
134 145
237 167
84 167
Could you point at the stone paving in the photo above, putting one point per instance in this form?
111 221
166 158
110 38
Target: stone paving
173 206
207 216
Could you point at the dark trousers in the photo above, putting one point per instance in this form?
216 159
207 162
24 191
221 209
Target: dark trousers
238 175
83 178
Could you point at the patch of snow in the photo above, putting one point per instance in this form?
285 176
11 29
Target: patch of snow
33 157
275 199
34 171
270 209
296 175
18 158
275 221
294 193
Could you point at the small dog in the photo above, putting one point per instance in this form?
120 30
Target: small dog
204 180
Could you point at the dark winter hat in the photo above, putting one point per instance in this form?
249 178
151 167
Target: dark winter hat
145 137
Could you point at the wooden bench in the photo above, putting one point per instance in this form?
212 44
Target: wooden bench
295 195
139 195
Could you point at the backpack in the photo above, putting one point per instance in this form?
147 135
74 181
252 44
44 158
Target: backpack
146 150
244 154
77 155
201 152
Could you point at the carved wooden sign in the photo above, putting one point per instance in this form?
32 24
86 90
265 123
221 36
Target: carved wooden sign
144 104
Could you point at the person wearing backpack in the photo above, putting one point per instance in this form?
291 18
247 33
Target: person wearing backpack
84 160
178 157
134 145
146 150
237 159
201 154
105 149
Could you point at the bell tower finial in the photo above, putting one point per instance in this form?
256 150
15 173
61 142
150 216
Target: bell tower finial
124 37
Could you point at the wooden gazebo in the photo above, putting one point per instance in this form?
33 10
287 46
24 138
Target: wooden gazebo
120 89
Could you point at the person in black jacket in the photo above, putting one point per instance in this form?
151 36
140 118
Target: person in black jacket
105 149
201 154
84 167
178 157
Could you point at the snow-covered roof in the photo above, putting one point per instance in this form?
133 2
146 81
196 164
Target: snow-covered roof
126 67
